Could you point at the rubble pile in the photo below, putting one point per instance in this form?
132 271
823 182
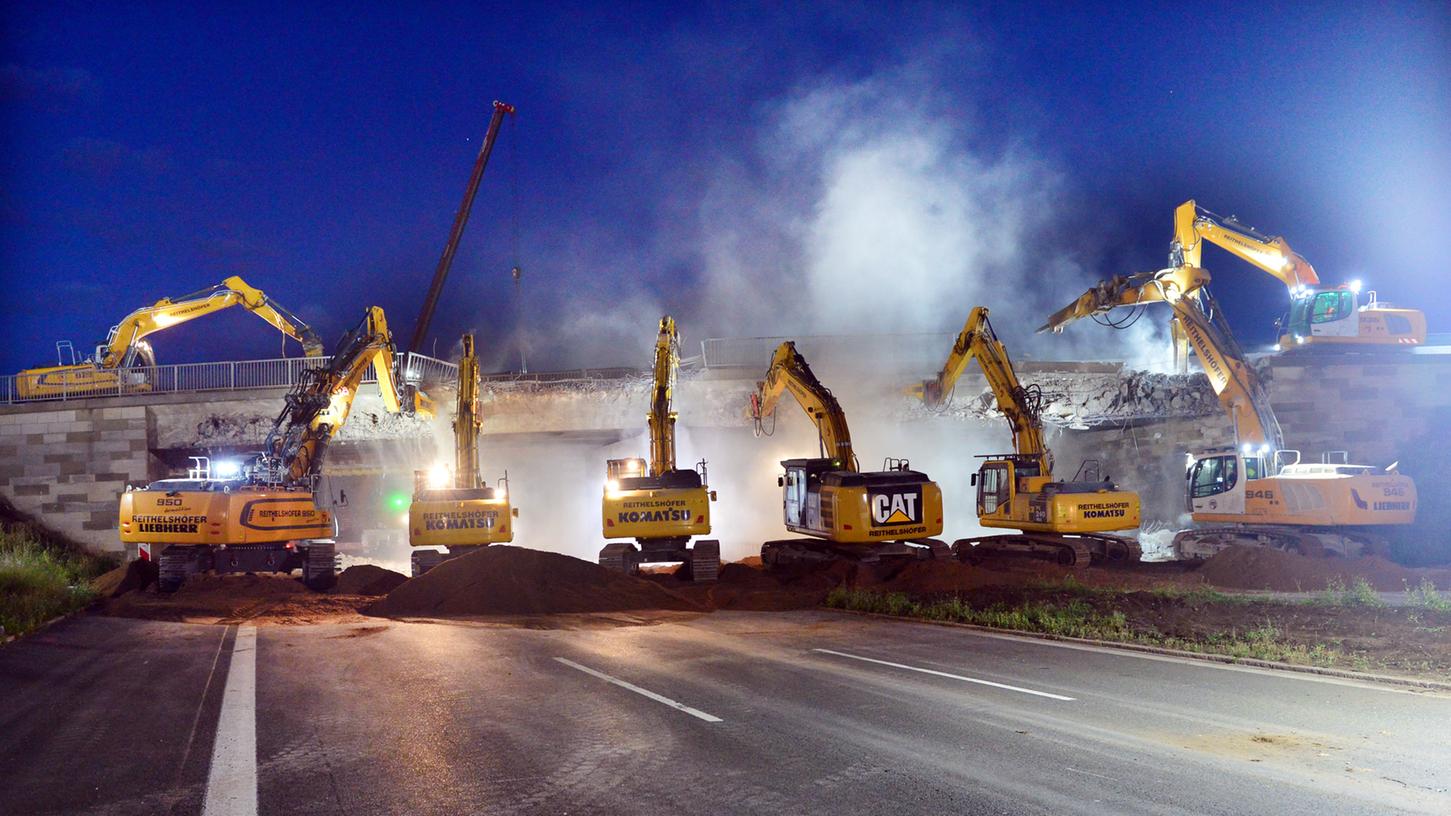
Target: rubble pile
1084 399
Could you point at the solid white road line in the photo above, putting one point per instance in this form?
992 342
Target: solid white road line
949 676
232 781
643 692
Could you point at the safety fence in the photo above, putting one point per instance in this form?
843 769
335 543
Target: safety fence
89 382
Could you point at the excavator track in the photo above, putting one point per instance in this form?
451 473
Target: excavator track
1204 542
704 560
620 556
793 551
1070 552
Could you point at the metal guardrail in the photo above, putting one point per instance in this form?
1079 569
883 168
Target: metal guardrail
234 375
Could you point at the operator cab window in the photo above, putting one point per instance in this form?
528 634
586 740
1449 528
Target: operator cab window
1332 306
1214 476
993 489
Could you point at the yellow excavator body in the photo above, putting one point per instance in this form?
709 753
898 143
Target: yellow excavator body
178 511
460 517
636 505
1038 504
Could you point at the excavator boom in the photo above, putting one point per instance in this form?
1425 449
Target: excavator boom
662 418
125 339
978 341
789 372
1193 225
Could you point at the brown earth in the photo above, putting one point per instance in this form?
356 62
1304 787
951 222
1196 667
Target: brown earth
1258 568
505 580
133 576
264 599
367 579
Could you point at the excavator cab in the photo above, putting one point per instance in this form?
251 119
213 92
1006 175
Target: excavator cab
1217 483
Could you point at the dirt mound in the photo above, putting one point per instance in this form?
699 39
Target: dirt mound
1263 568
504 580
268 599
136 575
367 579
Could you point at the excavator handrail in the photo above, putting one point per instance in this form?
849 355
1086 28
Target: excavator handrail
789 372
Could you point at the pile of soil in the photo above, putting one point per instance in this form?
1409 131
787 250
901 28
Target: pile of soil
134 576
1263 568
264 598
504 580
367 579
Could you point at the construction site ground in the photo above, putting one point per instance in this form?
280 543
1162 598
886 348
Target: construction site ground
1327 612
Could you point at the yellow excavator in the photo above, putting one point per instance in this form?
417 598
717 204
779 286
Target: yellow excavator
1317 317
1064 521
661 507
458 511
126 345
265 516
849 514
1256 492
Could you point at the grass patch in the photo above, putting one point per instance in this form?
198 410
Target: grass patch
1426 596
1077 617
1359 593
39 582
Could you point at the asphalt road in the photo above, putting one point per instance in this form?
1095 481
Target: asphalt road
795 713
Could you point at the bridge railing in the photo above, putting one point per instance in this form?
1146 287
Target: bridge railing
232 375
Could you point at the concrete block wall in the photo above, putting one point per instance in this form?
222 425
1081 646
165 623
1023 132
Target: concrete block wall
66 466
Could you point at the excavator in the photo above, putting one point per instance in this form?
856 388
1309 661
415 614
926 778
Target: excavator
1317 317
848 514
1064 521
1256 492
457 511
661 507
266 517
126 345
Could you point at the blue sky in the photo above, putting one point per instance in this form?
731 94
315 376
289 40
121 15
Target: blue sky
755 169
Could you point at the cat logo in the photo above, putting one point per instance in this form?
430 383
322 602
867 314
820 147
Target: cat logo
897 507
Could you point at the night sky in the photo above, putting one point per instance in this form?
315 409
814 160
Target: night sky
753 169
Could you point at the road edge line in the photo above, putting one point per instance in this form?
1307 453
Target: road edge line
232 778
1230 660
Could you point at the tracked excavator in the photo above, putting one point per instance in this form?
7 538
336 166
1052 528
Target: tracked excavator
1341 317
456 513
1257 492
848 514
266 518
126 346
1069 522
657 504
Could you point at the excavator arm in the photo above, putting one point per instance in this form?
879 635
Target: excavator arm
1199 319
468 422
1193 225
789 371
662 418
322 398
978 341
125 344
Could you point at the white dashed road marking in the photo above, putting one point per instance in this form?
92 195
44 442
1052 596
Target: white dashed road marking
1018 689
643 692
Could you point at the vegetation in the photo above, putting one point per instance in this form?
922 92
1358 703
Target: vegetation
1076 617
40 581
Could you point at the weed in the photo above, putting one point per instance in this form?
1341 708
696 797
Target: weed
1427 596
38 583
